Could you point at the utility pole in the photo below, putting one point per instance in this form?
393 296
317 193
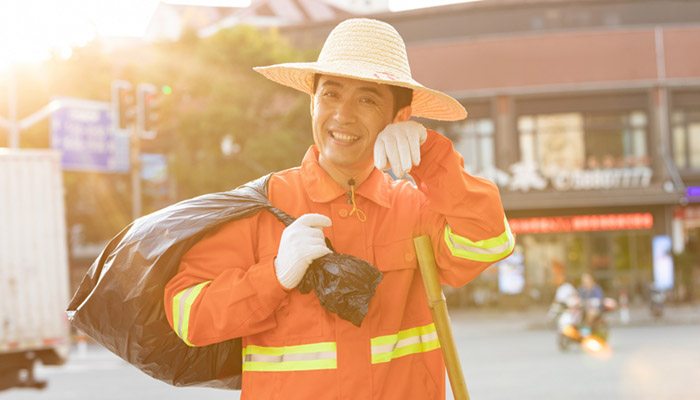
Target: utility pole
124 110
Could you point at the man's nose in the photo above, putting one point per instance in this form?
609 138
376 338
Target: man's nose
345 111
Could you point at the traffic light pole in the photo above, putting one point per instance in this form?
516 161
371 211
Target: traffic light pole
135 146
144 109
124 110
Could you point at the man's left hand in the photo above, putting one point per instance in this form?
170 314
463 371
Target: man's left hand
398 146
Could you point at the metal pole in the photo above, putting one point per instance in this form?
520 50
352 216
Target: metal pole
135 173
438 307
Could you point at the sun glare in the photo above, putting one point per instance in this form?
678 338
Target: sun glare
32 30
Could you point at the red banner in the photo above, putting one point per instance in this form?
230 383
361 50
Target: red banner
582 223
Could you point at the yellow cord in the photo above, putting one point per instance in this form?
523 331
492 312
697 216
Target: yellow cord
360 214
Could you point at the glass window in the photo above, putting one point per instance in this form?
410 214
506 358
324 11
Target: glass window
474 140
576 141
685 131
552 142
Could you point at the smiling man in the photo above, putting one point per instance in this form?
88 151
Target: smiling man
239 282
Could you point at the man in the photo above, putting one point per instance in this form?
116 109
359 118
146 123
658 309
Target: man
592 297
565 296
240 280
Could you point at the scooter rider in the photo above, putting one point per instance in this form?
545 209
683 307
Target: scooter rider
564 297
592 297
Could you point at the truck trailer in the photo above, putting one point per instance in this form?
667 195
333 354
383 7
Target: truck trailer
33 266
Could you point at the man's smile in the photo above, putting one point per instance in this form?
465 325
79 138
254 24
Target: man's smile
343 137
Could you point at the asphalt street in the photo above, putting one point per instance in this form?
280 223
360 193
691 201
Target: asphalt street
505 355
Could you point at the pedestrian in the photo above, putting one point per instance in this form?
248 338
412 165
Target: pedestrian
592 297
564 297
239 282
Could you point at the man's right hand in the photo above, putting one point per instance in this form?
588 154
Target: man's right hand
302 242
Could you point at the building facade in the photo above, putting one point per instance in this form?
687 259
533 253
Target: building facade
587 116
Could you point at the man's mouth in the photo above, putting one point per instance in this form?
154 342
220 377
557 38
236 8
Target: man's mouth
342 137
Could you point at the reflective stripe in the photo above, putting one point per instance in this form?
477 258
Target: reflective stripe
486 250
303 357
410 341
182 303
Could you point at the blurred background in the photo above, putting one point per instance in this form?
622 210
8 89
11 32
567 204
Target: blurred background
585 113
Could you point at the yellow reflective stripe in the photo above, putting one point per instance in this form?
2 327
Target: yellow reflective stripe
182 303
487 250
303 357
410 341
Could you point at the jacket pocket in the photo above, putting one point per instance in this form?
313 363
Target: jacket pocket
300 318
397 262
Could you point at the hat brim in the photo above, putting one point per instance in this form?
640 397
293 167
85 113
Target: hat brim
427 103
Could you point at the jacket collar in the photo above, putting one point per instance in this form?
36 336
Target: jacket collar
321 188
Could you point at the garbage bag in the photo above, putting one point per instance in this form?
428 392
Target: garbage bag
344 285
119 302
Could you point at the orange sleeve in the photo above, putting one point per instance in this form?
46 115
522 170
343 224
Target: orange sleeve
462 213
222 291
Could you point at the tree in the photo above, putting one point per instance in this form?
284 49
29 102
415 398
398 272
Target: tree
217 94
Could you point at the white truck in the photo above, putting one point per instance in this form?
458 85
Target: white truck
33 265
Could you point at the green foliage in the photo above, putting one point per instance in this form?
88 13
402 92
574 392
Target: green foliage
215 93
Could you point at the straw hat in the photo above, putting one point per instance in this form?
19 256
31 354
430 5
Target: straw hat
368 50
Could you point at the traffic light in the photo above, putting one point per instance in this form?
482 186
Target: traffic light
123 104
127 112
149 100
152 104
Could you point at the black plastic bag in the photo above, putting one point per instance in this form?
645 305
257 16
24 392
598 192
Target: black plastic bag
119 302
344 285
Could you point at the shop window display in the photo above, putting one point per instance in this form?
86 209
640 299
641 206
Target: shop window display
685 129
583 141
474 139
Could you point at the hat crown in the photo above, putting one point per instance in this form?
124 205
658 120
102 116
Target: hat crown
371 42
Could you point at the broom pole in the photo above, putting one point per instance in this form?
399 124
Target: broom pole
438 307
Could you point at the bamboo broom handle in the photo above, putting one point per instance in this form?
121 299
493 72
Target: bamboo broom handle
438 307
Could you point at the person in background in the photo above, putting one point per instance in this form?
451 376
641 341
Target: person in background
563 296
592 297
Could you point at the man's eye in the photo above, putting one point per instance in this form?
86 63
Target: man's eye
368 100
330 94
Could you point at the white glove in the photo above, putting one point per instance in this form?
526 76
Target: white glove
302 242
398 146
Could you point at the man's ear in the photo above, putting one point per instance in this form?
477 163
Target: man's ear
403 115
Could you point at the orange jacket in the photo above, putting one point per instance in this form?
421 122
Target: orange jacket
226 286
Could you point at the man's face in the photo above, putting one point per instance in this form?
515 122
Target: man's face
347 115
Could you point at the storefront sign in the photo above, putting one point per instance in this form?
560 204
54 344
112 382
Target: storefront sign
582 223
511 274
82 131
663 262
526 177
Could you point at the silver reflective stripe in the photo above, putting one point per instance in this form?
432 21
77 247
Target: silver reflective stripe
303 357
325 355
183 300
420 339
182 305
494 250
404 342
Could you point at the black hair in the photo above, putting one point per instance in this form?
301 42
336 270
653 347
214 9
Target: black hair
402 96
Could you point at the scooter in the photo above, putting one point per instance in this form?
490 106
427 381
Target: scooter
570 328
